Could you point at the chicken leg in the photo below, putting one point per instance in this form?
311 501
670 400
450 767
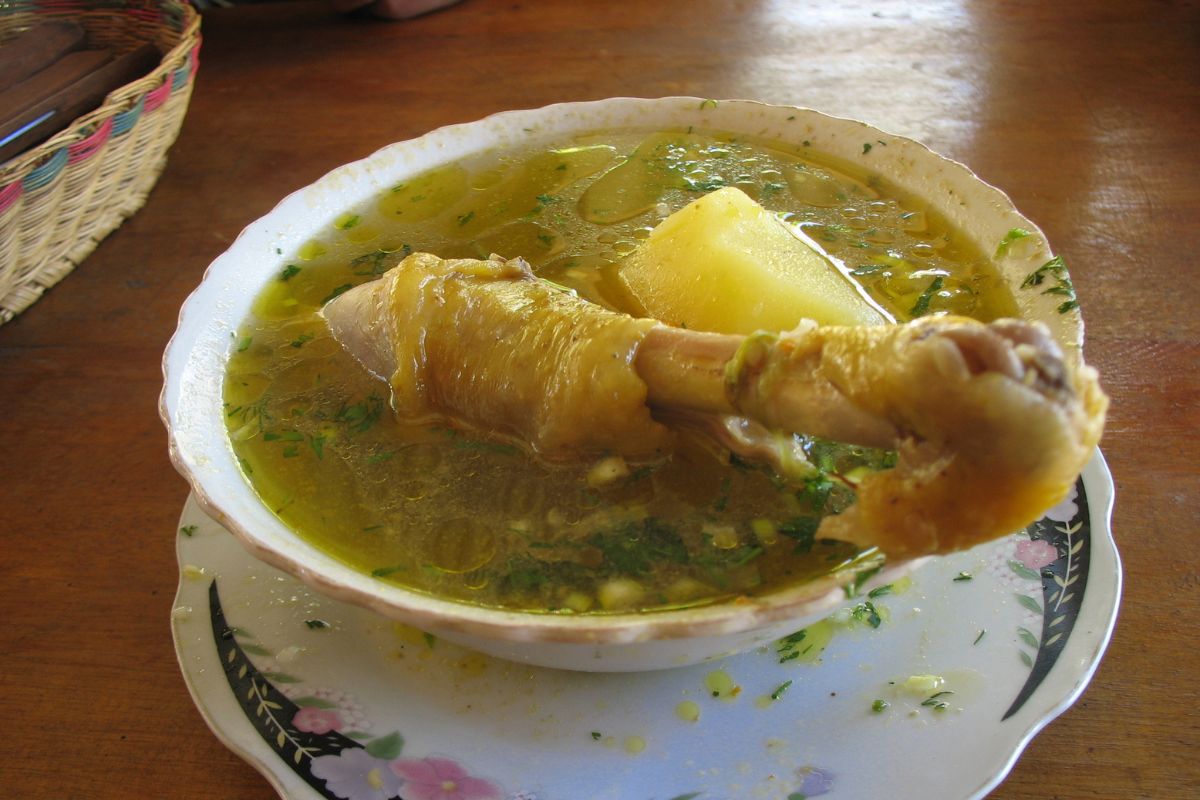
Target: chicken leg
991 423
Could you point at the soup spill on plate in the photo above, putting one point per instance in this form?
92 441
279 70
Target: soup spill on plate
478 521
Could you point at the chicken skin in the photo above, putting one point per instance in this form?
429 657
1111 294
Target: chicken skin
990 422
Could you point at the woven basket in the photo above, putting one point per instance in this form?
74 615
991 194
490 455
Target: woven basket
60 199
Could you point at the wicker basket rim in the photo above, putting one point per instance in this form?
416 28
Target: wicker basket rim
121 99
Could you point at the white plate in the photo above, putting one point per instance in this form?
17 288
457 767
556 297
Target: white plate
328 700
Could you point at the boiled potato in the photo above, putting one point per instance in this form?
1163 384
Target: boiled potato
724 263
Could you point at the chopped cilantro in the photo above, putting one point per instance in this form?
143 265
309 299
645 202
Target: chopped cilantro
921 307
630 548
1013 235
778 693
337 291
300 340
866 612
188 530
935 701
289 272
793 646
463 219
815 492
244 343
361 416
854 588
463 443
379 261
725 559
770 189
710 184
879 705
528 575
1054 268
803 530
317 443
596 736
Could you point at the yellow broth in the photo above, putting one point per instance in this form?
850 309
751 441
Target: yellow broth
480 521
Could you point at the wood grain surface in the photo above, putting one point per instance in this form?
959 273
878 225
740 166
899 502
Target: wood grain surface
1086 113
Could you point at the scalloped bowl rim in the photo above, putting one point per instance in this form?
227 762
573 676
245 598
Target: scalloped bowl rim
193 363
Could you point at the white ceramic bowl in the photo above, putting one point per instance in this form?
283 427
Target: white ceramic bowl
194 365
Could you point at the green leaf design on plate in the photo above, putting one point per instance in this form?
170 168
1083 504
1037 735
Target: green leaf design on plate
387 747
1024 571
1029 602
280 677
313 702
1028 638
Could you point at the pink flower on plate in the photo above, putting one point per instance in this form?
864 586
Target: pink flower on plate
317 720
1036 553
441 779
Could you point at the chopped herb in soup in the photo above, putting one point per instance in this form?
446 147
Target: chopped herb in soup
481 521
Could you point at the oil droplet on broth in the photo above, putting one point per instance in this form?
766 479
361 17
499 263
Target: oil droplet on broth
413 489
634 744
360 234
346 221
425 196
407 634
721 686
311 250
460 545
688 711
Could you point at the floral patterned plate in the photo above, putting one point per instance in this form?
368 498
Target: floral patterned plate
942 679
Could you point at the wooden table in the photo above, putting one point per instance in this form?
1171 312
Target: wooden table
1087 114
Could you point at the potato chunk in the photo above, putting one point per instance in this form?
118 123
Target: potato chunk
724 263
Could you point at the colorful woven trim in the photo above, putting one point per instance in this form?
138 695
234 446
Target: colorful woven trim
9 195
84 148
114 126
